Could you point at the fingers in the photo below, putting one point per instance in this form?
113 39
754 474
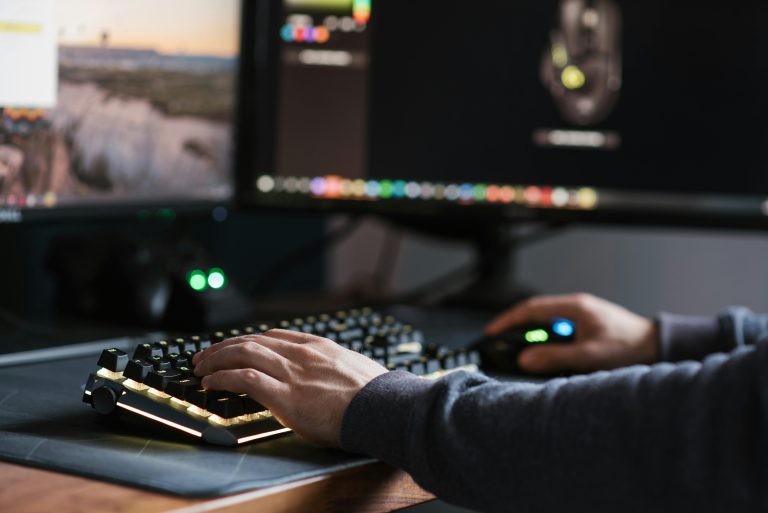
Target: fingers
248 354
284 336
552 358
540 309
260 387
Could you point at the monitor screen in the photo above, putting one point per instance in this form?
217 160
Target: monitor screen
116 104
568 109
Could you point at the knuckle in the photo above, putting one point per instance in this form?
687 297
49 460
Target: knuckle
251 377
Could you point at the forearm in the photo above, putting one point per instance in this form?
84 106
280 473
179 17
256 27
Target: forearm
670 437
693 338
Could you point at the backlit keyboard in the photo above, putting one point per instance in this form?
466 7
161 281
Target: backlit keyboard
156 382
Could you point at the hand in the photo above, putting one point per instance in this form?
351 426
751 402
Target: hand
306 381
607 335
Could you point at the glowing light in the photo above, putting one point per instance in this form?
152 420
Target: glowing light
452 192
216 278
507 194
373 189
262 435
587 198
197 280
385 190
427 190
536 336
358 188
413 190
346 188
318 186
333 186
559 56
398 189
559 197
532 195
493 193
161 420
466 192
361 11
265 184
322 34
563 328
546 197
573 78
480 191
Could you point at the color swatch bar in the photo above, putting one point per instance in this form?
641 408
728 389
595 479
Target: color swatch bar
339 188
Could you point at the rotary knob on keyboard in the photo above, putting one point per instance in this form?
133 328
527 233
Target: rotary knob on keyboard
113 359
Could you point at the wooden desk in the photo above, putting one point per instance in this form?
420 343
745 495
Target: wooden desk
368 489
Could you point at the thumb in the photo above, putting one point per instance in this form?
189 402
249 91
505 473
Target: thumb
558 357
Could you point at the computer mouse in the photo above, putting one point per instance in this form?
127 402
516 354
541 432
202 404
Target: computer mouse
499 353
582 65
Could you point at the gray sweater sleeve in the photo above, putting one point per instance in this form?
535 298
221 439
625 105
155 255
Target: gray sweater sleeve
691 436
692 338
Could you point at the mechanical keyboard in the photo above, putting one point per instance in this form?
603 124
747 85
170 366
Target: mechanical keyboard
156 383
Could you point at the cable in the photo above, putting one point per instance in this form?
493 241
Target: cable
274 274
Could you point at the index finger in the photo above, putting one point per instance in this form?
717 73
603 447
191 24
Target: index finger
537 309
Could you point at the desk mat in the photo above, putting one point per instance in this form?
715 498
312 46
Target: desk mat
43 423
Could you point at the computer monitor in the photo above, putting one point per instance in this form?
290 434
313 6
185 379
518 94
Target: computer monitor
111 113
558 110
114 106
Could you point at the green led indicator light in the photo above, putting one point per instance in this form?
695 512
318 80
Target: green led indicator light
217 279
197 280
386 189
536 336
481 192
167 214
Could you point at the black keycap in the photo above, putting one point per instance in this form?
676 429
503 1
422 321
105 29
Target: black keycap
182 388
138 370
251 406
199 397
186 372
159 379
146 351
474 357
160 363
175 345
162 346
227 407
177 360
218 336
113 359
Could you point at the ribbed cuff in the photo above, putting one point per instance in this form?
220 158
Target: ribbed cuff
377 421
684 337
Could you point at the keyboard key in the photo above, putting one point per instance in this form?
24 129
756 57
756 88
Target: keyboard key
160 363
159 379
138 370
146 351
182 388
227 407
113 359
